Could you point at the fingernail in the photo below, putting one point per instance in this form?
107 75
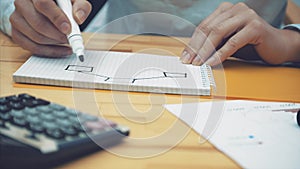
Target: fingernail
80 15
185 57
210 61
196 61
65 28
182 55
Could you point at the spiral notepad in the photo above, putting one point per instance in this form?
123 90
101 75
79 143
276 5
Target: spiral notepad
118 71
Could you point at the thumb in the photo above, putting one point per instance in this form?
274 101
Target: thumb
81 10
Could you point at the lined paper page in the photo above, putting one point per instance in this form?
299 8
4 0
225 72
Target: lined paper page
118 71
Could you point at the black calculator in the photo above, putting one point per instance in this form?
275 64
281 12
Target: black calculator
37 133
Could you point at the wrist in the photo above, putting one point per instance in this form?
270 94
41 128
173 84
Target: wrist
292 44
280 46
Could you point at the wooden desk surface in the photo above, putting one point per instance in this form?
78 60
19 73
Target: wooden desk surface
239 80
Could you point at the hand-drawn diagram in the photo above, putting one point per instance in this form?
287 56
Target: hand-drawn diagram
89 71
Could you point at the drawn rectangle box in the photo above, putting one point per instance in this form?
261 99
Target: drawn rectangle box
77 68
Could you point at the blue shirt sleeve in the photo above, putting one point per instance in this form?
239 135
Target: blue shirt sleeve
6 9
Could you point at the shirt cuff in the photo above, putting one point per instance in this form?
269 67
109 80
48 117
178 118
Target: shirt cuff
6 9
295 27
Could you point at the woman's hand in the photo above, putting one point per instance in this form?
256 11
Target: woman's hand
241 26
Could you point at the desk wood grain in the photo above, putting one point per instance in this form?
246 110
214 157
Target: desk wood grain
237 80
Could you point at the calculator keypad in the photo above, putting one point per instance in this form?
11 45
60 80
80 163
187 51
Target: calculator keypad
37 120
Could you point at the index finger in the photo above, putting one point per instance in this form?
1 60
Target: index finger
37 21
248 35
201 33
50 9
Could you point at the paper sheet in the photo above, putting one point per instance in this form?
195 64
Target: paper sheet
254 134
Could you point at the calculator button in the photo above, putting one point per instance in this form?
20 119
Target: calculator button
69 131
13 98
35 103
16 105
29 103
5 116
55 133
49 125
17 114
31 111
60 114
56 107
63 122
4 108
47 116
33 119
3 101
36 128
19 122
45 109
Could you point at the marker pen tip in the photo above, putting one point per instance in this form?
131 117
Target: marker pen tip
81 58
